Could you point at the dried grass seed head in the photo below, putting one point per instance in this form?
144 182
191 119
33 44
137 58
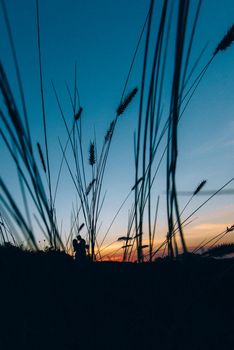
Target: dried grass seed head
124 104
92 156
199 187
226 41
78 114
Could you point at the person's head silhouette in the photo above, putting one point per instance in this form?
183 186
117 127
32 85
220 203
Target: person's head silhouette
74 242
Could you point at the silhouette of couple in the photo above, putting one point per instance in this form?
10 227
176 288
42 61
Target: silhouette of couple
79 247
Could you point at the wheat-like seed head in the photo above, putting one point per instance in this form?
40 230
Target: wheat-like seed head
199 187
80 228
92 157
126 246
226 41
124 104
78 114
124 238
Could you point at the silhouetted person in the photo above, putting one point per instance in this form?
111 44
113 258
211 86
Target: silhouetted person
75 247
80 249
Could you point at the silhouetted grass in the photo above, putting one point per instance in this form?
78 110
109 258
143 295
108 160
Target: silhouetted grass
48 299
156 129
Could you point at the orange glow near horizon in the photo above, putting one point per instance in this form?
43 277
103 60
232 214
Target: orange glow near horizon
197 234
199 231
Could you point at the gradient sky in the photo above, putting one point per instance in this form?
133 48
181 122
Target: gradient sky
101 35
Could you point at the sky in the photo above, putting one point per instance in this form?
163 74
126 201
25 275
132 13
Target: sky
101 36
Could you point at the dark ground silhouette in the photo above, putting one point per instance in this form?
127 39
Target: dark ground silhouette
50 302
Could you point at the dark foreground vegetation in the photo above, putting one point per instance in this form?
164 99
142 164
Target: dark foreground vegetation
50 302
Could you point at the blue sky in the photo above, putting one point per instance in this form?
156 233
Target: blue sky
101 36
